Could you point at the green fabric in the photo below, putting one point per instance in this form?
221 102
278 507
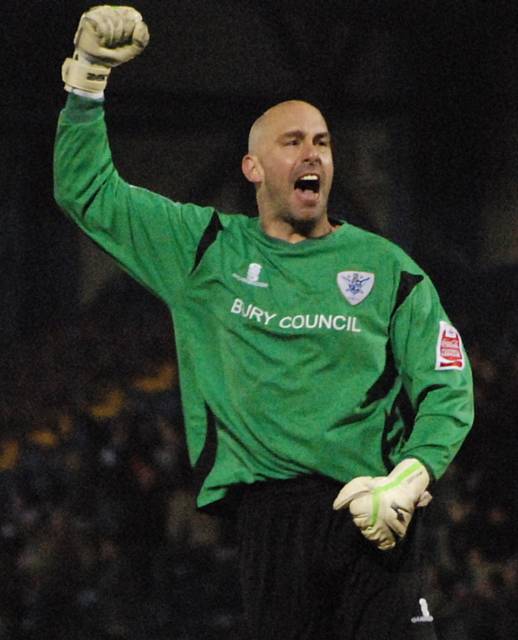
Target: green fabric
287 366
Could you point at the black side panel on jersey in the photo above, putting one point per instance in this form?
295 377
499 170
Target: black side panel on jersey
386 380
402 408
384 383
207 457
208 237
407 282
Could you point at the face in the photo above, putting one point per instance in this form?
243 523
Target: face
291 163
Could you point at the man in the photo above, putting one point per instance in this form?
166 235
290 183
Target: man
301 342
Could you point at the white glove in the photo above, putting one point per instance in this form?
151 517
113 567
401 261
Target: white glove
382 507
106 37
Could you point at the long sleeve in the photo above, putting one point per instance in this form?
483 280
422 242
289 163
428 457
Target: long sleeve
150 236
436 375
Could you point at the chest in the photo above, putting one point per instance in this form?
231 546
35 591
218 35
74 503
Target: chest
329 294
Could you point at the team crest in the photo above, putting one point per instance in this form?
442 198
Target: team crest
355 285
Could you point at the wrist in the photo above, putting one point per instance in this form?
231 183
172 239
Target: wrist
84 75
89 95
410 474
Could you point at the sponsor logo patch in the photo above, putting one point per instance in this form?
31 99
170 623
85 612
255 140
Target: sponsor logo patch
449 348
298 322
355 285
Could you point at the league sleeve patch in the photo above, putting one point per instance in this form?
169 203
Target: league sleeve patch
449 348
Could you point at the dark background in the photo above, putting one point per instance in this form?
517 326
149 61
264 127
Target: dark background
99 537
420 97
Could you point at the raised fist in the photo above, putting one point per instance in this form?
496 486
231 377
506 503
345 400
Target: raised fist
106 37
111 35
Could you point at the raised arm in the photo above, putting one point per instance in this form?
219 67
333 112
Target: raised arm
152 237
106 37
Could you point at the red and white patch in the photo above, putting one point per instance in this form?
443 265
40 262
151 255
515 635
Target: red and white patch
449 348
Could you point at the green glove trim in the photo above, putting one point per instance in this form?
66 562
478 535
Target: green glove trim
376 493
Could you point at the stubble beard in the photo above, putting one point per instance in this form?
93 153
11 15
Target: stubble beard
302 226
302 223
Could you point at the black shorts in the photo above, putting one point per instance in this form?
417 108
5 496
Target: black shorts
307 573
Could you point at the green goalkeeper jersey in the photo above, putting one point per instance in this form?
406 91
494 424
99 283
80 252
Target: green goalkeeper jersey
294 358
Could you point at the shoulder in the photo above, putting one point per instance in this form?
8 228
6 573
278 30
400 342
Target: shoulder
201 215
379 250
233 220
235 225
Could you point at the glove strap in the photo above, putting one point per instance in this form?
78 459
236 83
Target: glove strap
79 74
376 493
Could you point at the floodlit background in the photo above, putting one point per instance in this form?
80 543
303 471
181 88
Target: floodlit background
99 535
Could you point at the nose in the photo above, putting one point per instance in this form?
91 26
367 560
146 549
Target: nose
311 153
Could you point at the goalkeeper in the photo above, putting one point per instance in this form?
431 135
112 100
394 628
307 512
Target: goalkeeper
302 342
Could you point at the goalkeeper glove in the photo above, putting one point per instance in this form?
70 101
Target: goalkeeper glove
106 37
382 507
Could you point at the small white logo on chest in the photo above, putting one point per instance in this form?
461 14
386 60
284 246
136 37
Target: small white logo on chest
252 275
425 613
355 285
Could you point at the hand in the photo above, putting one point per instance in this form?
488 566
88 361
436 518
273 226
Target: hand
382 507
106 37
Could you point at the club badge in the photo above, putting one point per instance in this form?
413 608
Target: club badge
355 285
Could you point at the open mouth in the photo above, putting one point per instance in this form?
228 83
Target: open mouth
309 182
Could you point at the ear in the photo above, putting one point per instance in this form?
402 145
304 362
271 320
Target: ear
252 169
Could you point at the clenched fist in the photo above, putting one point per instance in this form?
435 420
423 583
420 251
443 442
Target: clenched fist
382 507
106 37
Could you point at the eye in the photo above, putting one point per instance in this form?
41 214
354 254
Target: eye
292 143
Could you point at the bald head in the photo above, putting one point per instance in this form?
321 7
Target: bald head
265 126
290 163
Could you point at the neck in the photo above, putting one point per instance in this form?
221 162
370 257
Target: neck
294 231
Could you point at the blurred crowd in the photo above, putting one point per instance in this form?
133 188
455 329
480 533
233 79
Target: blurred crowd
99 535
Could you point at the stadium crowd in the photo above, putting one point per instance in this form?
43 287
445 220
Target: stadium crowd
99 535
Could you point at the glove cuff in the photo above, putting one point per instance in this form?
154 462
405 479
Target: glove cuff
410 474
80 74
